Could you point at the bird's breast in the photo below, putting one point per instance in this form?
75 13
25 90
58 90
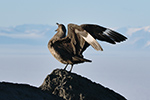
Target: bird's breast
57 55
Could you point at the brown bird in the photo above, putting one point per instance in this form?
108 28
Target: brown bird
68 49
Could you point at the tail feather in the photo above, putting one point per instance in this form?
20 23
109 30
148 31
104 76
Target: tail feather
79 59
86 60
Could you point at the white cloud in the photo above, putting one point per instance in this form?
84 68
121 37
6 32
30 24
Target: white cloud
147 44
24 35
147 28
132 30
24 31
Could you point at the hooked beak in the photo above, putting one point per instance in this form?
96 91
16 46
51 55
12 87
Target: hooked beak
57 28
57 23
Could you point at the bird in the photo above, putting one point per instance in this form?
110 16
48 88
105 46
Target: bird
68 48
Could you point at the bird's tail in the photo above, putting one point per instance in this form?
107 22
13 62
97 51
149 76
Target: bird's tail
79 59
86 60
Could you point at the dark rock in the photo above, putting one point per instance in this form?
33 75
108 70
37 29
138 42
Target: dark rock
59 85
71 86
11 91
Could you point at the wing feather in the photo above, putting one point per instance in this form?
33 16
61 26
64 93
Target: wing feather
103 34
88 38
86 34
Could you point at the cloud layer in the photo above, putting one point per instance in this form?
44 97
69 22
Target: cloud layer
40 34
25 31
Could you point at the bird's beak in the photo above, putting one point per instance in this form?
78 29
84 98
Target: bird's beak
57 28
57 23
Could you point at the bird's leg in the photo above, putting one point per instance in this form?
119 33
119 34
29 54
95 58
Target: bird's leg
71 67
65 66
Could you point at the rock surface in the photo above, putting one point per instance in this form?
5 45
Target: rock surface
11 91
59 85
71 86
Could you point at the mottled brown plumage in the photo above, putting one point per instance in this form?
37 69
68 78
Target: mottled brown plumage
68 49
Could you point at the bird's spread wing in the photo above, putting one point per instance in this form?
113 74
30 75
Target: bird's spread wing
80 39
103 34
84 35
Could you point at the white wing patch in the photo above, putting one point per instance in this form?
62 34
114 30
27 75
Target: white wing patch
88 38
92 42
107 31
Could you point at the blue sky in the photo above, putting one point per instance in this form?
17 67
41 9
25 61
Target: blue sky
116 13
26 26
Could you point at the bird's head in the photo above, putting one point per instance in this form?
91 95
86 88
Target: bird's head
61 28
61 31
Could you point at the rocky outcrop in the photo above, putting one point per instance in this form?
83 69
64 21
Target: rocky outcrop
71 86
11 91
59 85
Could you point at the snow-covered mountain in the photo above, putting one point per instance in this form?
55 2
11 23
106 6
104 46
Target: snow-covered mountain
138 37
26 34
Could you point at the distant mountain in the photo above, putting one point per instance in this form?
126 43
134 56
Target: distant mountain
138 37
26 34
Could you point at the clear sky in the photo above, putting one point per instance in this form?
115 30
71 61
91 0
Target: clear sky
24 57
112 13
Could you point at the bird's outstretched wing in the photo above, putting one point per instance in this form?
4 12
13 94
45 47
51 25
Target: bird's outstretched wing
103 34
80 39
84 35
